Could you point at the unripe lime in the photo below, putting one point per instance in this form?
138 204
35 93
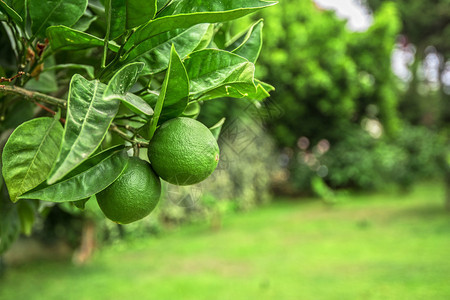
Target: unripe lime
133 195
183 151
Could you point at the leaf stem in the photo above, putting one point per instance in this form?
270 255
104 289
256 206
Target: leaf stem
108 32
32 96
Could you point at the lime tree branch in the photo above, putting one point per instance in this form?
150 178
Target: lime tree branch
32 95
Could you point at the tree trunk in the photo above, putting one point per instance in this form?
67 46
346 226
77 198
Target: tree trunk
88 242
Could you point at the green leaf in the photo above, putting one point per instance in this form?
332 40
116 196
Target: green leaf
84 184
93 160
155 52
119 85
216 128
89 69
85 21
65 38
81 204
123 80
88 120
45 13
151 97
186 13
216 73
174 94
140 12
262 90
136 104
116 17
3 17
11 12
45 83
231 90
18 6
249 45
123 15
29 154
192 110
161 4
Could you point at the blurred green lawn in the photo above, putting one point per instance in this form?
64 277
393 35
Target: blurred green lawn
380 246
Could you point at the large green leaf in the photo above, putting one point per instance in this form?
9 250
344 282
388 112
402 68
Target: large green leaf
127 14
18 6
92 161
86 183
140 12
65 38
115 11
119 85
216 73
89 69
240 90
249 45
29 154
192 110
88 119
174 94
45 13
155 52
85 21
10 12
229 90
162 3
186 13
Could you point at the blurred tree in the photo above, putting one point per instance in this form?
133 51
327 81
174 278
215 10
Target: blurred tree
329 82
426 24
326 77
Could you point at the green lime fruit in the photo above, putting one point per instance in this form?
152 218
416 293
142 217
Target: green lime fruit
133 195
183 151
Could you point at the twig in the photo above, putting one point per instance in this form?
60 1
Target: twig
46 108
62 120
32 96
125 136
19 74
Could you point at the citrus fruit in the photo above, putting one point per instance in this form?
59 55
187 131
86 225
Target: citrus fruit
183 151
133 195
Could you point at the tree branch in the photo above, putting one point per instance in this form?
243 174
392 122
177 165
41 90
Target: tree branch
32 96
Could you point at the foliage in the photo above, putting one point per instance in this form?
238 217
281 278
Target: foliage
426 26
327 77
363 162
424 22
125 67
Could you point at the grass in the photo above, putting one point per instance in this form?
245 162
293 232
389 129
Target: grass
380 246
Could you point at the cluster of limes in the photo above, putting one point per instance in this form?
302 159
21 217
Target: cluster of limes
182 151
